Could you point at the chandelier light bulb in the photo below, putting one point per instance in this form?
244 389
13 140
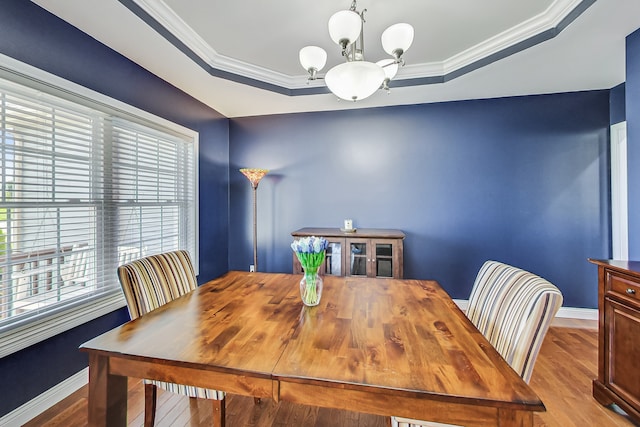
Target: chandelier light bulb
355 80
345 27
397 39
313 58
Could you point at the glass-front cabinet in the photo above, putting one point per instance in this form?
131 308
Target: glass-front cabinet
383 260
374 258
364 252
358 254
333 260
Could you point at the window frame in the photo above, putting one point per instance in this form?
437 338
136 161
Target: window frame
31 330
619 194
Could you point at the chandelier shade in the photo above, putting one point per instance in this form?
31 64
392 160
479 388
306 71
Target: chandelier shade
345 27
397 38
313 57
355 80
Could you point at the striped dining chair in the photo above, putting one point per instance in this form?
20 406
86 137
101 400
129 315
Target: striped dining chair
513 309
149 283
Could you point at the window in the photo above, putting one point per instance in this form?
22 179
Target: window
84 188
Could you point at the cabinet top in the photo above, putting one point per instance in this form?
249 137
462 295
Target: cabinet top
620 265
376 233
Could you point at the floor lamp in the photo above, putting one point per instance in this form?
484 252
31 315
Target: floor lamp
254 176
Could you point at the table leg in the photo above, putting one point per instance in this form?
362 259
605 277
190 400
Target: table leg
107 394
511 418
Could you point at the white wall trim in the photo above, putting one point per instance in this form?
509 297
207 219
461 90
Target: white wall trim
578 313
619 208
17 337
33 77
564 312
547 20
46 400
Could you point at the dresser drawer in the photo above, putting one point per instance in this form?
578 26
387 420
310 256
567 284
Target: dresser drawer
623 286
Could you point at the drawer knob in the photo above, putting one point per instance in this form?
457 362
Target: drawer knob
631 291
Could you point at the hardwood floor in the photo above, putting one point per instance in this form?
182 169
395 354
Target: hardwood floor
562 378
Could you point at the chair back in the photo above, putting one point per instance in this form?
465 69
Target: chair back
513 309
155 280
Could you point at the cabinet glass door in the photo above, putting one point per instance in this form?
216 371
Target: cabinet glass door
333 259
384 259
358 259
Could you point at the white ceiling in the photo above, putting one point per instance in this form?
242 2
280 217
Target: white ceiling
533 46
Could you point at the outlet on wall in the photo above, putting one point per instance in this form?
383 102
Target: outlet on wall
252 268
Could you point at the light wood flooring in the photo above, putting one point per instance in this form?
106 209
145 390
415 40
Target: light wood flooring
562 378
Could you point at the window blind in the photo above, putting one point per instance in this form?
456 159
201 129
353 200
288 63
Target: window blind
83 191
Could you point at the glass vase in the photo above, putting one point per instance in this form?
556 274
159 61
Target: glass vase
311 288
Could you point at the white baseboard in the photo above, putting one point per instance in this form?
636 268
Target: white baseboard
578 313
564 312
46 400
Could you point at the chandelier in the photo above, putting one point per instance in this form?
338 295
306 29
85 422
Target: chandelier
357 78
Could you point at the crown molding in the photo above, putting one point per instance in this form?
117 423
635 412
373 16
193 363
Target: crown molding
546 23
171 21
539 28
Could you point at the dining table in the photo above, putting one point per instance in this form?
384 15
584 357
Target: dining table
391 347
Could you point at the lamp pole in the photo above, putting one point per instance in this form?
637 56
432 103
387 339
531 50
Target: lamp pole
254 176
255 227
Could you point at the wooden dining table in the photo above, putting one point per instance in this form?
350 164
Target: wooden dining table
379 346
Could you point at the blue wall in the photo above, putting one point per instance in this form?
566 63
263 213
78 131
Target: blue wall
632 105
523 180
32 35
617 112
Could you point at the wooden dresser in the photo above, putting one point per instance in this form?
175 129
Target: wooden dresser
366 252
618 335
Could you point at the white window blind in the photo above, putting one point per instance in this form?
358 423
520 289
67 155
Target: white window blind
83 191
150 190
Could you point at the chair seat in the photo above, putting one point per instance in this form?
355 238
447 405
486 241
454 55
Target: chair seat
191 391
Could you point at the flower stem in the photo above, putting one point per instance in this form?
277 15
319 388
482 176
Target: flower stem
310 296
